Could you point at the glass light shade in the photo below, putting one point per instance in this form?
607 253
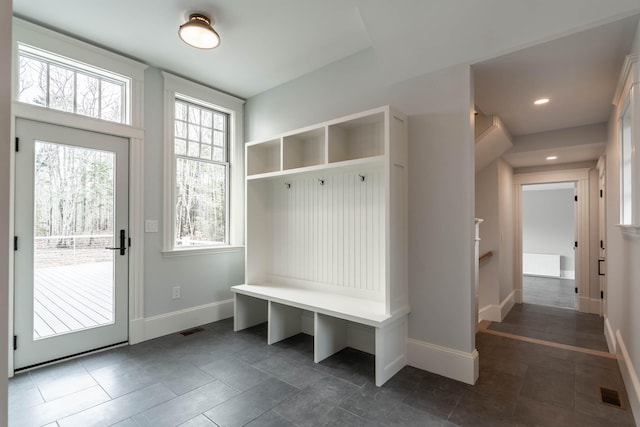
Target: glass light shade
197 32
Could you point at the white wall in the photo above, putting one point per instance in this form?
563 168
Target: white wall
441 221
204 279
5 155
487 208
494 204
506 212
622 323
548 225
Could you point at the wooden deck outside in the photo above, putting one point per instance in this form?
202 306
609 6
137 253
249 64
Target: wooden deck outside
72 297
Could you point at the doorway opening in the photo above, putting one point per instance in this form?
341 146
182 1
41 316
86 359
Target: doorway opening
548 244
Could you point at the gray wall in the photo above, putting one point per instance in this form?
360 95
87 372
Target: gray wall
548 224
5 180
204 278
623 270
441 202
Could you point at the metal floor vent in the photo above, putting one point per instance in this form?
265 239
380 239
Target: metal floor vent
191 331
610 397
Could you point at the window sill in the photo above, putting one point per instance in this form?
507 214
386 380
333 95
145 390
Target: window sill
630 229
201 251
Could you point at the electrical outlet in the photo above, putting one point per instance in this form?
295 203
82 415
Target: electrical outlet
176 292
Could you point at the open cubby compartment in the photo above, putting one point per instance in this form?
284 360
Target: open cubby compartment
304 149
358 138
264 157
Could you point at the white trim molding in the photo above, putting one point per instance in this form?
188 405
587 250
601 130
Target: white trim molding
610 336
231 105
59 44
497 313
448 362
629 375
581 178
176 321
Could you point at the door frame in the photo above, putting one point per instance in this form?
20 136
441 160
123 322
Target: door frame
581 178
136 207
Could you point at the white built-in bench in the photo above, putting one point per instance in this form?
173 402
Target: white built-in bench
326 237
338 321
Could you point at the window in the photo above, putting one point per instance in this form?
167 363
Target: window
203 180
626 181
201 177
59 83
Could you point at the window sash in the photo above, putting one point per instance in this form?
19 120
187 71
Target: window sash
72 104
191 124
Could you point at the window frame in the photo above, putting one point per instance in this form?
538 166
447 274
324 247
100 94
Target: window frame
627 100
77 67
177 88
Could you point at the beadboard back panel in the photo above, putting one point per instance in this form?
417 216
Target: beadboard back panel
329 229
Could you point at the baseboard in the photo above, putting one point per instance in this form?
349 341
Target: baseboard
507 304
490 312
169 323
595 306
518 296
610 337
629 375
136 331
584 304
455 364
496 313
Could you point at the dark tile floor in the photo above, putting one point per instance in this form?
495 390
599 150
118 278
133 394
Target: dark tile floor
549 291
217 377
558 325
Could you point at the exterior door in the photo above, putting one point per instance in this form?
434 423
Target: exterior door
71 259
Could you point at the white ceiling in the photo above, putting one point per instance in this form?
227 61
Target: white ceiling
266 43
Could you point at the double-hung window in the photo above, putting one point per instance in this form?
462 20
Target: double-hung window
203 168
201 154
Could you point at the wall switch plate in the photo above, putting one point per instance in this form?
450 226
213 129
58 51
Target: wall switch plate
150 225
176 292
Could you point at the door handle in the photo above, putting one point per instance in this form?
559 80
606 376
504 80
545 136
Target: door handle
600 261
123 246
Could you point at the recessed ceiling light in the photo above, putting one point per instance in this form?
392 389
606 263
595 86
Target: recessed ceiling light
552 157
541 101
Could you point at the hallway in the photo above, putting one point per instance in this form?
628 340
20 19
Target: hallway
218 377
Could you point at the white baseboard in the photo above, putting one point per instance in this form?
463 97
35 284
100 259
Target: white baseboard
518 296
595 306
610 337
169 323
496 313
584 304
629 375
448 362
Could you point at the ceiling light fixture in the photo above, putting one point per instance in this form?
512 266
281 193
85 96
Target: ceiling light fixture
552 157
197 32
541 101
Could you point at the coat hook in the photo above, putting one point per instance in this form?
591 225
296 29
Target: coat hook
288 185
321 181
361 178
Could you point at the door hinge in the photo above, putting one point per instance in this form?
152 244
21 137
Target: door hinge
601 294
15 243
575 244
17 144
575 198
129 242
15 342
576 289
601 193
601 244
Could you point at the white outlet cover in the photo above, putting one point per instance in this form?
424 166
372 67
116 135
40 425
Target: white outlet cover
150 225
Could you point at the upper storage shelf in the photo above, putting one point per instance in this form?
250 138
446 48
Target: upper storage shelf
357 138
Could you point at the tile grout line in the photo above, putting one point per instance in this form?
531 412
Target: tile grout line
483 326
